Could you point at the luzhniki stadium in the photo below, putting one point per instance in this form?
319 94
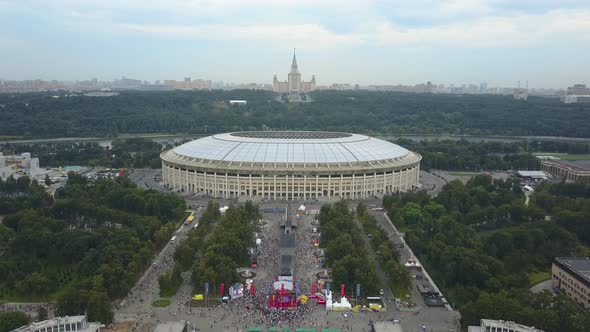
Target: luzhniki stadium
290 165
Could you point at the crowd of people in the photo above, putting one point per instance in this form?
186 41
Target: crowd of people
31 309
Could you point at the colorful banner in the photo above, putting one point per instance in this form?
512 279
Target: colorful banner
222 289
342 290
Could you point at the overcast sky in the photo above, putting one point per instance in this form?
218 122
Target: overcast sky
365 41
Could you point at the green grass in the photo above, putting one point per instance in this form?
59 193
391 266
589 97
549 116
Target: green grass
169 292
464 173
399 292
161 303
537 277
566 156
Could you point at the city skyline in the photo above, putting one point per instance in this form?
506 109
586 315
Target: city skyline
369 42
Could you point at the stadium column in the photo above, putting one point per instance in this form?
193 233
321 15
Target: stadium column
174 178
364 185
341 186
287 187
392 181
304 186
225 186
215 193
317 186
329 185
275 186
262 177
196 186
353 187
250 184
205 183
239 192
374 183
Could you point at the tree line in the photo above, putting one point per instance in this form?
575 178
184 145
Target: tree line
388 256
123 153
205 112
87 246
345 251
218 246
482 244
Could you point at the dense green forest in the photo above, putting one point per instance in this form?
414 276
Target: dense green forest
345 248
124 153
205 112
461 155
13 320
483 245
218 246
85 247
388 256
474 156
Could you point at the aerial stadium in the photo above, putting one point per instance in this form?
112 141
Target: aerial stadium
293 165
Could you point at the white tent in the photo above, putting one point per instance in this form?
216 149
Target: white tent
302 207
223 209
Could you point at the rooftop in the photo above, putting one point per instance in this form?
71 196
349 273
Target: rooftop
507 325
171 327
387 327
577 265
85 326
290 147
532 174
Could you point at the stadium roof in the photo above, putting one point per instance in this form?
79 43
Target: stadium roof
291 147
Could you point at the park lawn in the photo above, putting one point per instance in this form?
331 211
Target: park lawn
464 173
566 156
161 303
169 292
537 277
399 292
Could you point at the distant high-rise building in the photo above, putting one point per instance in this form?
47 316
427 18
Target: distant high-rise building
483 87
578 93
294 84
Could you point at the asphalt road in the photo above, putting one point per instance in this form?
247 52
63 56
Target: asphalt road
435 318
431 183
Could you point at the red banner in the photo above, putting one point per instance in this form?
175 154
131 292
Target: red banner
222 289
342 290
252 288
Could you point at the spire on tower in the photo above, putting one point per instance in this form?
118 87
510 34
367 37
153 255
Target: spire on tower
294 58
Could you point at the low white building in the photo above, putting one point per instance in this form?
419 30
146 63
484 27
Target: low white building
12 164
238 102
62 324
492 325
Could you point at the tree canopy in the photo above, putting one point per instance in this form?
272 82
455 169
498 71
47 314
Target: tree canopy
205 112
85 247
481 244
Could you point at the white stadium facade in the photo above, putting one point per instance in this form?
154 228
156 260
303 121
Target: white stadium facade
294 165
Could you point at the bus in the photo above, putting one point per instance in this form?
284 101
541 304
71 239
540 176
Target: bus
173 239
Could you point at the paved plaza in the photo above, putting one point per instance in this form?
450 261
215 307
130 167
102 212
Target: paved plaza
251 311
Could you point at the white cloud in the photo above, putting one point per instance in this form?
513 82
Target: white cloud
304 35
496 31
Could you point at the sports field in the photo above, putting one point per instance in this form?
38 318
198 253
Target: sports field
566 156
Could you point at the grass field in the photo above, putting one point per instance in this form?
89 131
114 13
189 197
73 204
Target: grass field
161 303
537 277
566 156
464 173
